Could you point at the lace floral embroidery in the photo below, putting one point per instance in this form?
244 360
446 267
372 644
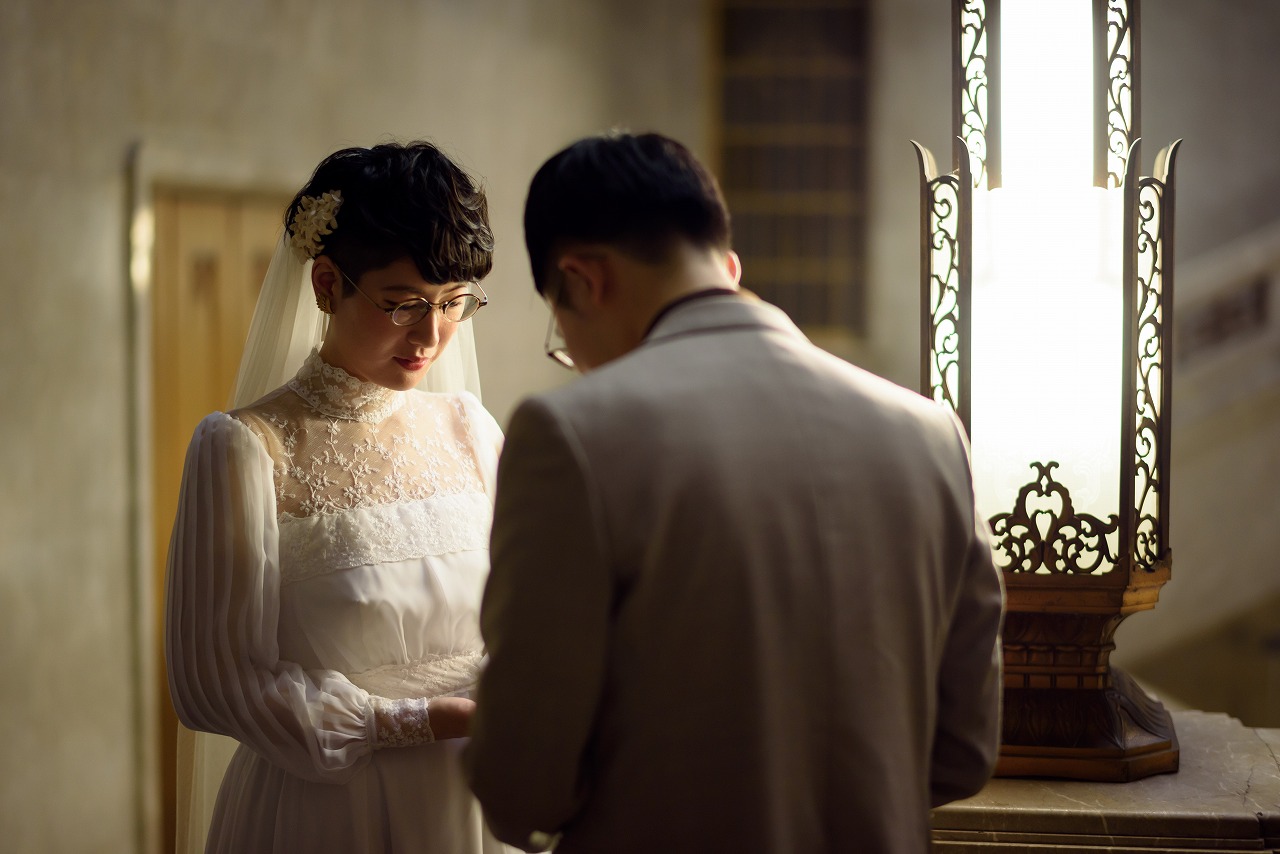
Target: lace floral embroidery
401 723
334 392
366 476
378 534
339 444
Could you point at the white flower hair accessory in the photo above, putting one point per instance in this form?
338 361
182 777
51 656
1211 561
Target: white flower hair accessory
316 217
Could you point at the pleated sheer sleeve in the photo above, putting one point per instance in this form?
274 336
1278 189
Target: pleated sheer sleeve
223 602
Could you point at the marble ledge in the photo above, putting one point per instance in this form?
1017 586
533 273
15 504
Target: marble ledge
1224 797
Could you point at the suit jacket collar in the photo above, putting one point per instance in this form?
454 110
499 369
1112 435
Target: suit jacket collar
718 313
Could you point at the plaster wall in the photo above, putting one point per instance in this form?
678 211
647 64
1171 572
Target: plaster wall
236 93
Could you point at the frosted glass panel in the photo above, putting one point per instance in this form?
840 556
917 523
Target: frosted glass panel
1046 79
1047 313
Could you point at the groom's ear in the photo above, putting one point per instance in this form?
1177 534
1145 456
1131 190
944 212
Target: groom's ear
588 277
733 266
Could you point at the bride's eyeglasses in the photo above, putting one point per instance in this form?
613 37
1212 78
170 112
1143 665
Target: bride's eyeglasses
409 312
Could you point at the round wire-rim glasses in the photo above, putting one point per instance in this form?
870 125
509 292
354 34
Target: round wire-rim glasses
554 344
407 313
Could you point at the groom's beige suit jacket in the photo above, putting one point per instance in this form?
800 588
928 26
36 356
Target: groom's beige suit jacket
740 601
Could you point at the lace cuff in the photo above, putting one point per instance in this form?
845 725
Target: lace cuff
401 723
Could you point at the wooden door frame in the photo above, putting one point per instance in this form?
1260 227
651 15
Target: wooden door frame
147 166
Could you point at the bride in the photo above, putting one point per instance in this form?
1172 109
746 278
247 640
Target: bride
330 546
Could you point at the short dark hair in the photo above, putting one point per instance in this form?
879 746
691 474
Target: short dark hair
636 192
402 200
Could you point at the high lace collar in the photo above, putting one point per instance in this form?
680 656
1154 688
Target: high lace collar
334 392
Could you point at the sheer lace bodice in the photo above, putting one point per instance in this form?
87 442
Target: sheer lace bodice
339 444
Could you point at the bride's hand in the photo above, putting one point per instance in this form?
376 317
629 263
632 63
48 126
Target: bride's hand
451 717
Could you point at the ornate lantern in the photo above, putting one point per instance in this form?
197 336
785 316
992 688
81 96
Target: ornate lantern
1047 312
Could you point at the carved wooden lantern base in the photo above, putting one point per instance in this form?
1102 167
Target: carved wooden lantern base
1067 712
1114 734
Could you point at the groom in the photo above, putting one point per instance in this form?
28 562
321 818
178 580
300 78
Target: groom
740 598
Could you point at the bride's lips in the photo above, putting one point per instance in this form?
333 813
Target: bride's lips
412 364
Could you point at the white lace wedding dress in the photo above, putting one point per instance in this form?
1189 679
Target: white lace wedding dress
325 575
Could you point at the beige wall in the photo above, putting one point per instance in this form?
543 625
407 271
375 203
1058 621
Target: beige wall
237 92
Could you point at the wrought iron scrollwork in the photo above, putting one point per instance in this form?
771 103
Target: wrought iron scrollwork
976 98
944 291
1149 389
1118 87
946 266
1039 537
1144 488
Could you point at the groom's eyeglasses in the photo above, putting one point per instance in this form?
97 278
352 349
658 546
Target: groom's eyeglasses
554 342
409 312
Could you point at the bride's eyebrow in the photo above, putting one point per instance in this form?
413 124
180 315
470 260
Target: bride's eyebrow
411 292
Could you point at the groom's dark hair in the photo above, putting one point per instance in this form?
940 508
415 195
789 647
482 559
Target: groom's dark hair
639 193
